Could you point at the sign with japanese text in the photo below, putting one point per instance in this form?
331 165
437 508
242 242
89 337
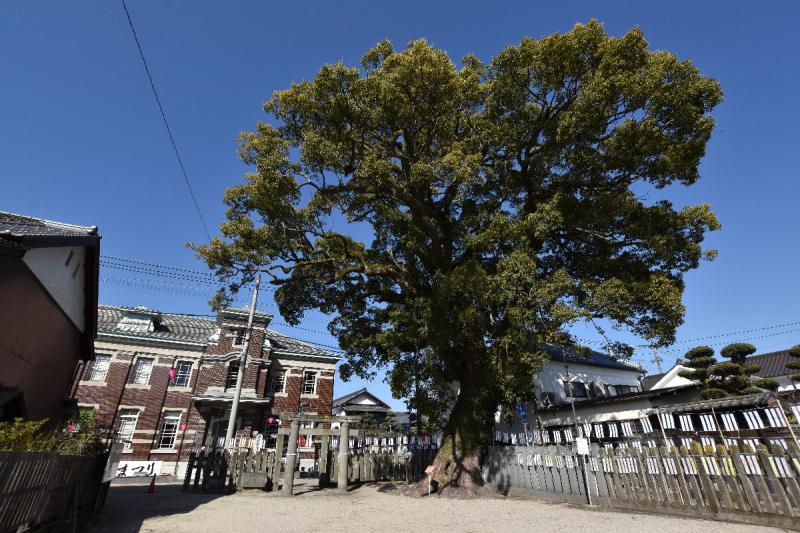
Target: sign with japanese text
138 468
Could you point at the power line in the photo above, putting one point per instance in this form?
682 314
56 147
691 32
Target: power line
678 350
155 265
149 272
166 123
686 341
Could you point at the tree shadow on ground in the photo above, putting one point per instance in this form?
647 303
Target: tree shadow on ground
128 506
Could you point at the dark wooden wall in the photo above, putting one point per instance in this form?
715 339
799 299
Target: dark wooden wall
39 345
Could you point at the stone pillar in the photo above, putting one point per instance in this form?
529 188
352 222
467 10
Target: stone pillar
344 444
291 459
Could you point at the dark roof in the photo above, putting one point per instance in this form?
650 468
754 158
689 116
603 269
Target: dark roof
173 327
772 364
30 231
338 402
650 380
283 344
591 358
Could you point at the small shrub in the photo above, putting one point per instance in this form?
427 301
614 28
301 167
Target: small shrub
75 438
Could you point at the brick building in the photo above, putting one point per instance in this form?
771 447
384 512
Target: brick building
166 382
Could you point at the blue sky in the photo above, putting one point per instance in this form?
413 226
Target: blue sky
81 139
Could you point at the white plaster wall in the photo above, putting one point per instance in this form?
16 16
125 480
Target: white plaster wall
553 375
48 266
784 383
364 400
673 379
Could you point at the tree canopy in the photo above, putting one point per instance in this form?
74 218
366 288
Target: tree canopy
502 201
700 360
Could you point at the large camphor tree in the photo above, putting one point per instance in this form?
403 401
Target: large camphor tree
455 219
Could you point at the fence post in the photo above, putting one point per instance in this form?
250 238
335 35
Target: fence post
291 458
323 461
344 443
779 496
188 477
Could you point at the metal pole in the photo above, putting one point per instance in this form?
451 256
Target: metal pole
242 366
575 425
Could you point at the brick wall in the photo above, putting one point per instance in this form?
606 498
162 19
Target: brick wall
116 392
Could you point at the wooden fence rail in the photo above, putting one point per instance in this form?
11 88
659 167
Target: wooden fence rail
755 486
223 471
47 490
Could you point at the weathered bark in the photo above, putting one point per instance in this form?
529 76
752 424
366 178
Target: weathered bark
456 467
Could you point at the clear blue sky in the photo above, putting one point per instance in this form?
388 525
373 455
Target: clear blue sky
81 139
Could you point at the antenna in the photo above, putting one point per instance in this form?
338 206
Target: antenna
657 360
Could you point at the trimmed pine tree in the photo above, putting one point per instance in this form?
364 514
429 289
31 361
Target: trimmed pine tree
700 359
735 376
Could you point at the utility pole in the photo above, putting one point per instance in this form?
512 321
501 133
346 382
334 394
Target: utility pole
657 360
242 366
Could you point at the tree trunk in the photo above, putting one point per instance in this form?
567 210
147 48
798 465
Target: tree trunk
456 468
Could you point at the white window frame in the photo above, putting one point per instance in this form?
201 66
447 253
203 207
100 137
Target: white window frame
646 425
136 374
168 436
313 383
569 389
238 336
228 375
127 418
99 371
686 422
187 375
282 375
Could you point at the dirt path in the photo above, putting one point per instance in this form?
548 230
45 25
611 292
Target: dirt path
372 508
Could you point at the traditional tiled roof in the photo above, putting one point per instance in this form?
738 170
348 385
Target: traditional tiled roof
650 380
772 364
591 358
172 327
338 402
283 344
13 225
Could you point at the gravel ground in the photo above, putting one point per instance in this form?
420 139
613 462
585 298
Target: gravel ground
373 508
